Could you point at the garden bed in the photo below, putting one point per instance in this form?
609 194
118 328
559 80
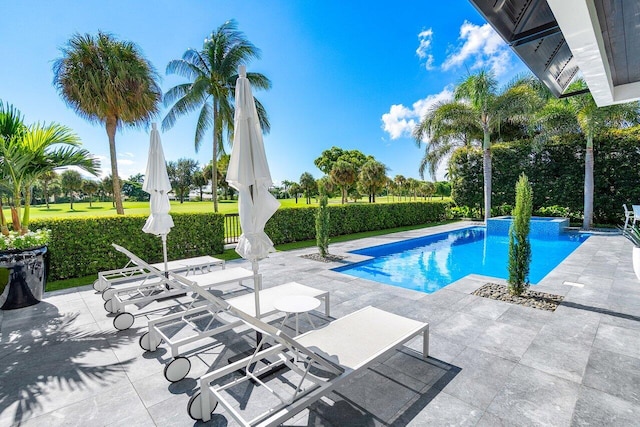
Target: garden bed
529 298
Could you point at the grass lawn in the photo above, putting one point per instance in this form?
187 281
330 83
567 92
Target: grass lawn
230 254
82 209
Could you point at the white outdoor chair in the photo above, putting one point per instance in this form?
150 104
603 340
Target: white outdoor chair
132 271
636 214
156 286
628 215
318 361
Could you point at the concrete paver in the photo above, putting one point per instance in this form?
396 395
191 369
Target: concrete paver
490 363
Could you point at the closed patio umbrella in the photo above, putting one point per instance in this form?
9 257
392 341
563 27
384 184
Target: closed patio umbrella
156 183
249 174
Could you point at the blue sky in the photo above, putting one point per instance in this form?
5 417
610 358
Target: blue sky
354 74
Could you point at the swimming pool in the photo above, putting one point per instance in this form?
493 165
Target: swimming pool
429 263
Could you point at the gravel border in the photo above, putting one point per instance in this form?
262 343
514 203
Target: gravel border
529 298
318 257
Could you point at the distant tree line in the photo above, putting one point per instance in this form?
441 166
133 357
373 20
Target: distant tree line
353 175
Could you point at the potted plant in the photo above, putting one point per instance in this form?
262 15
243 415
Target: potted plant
27 153
633 234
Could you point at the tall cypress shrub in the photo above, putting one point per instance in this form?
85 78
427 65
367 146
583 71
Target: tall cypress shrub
322 225
519 245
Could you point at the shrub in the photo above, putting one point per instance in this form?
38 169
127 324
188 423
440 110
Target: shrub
519 245
82 246
322 226
296 224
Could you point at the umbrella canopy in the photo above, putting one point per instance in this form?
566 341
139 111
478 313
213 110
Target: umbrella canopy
156 183
249 174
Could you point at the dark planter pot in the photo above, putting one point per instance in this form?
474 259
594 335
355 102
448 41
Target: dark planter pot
23 277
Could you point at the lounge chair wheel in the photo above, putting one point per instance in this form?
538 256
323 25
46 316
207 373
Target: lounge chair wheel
108 306
177 369
145 343
97 286
194 407
123 321
106 295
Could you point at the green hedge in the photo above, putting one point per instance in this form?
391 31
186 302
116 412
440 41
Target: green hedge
297 224
82 246
556 173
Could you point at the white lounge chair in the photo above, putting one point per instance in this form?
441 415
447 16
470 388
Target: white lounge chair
156 286
196 324
320 360
132 271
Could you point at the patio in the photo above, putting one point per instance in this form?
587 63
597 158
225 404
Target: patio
490 363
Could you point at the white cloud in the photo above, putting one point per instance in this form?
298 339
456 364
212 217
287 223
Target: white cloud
400 120
125 162
127 154
483 47
425 38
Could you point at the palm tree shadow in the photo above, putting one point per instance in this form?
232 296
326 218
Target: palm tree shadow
48 351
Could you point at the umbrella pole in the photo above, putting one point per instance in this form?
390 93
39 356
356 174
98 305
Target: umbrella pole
164 254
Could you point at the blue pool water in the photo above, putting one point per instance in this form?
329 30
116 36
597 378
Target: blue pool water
429 263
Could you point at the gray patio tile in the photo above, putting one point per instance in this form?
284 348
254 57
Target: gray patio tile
572 324
461 327
334 411
118 405
380 395
480 378
426 311
61 375
408 367
621 340
173 412
490 420
441 409
466 285
614 373
557 357
525 317
507 341
446 298
615 317
485 307
440 348
595 408
532 397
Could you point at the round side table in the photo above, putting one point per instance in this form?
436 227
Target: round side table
296 304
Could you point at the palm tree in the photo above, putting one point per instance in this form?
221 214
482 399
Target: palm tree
46 179
478 108
212 74
373 178
71 182
308 185
29 152
110 82
344 175
580 114
400 182
89 187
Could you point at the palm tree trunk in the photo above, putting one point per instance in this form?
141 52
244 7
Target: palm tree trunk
588 184
27 204
46 193
214 163
112 124
486 170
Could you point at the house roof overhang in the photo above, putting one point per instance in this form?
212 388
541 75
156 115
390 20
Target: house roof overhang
558 38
